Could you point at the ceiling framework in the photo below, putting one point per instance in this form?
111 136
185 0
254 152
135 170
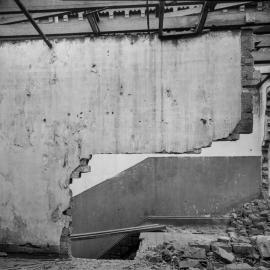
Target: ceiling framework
168 18
9 7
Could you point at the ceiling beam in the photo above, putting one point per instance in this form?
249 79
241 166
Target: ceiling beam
29 17
161 17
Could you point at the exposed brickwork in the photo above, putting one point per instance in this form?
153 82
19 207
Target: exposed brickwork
249 79
265 148
246 124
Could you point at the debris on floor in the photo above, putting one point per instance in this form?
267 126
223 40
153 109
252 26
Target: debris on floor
243 244
252 219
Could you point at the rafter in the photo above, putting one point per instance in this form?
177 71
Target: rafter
203 17
29 17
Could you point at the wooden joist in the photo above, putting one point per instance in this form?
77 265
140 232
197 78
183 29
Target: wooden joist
203 17
33 22
215 20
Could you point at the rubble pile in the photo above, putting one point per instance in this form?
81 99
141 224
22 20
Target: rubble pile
223 254
252 219
244 246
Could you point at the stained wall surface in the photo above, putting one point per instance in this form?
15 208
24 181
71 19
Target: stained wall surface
103 95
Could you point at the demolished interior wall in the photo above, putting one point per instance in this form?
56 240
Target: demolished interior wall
104 95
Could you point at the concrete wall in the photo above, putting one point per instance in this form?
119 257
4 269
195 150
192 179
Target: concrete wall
105 95
188 186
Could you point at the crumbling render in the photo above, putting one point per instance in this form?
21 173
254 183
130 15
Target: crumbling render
82 168
65 242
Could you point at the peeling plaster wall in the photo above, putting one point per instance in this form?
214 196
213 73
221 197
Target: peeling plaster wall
104 95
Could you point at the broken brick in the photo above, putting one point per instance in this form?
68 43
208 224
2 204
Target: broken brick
224 255
263 245
242 248
195 252
188 263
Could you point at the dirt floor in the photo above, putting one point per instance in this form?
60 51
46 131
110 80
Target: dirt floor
80 264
